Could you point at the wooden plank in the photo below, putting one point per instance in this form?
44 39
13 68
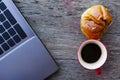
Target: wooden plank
57 24
71 70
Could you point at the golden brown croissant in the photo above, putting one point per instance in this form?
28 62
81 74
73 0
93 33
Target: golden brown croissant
94 21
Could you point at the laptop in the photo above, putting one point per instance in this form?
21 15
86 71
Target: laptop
22 55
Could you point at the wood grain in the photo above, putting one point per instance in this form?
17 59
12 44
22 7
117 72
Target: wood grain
57 24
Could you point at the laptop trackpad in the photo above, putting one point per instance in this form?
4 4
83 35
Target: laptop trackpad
29 61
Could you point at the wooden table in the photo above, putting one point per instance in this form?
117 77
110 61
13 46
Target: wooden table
56 22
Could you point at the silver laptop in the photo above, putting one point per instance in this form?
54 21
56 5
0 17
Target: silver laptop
22 54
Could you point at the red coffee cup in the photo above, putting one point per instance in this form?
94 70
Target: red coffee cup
92 54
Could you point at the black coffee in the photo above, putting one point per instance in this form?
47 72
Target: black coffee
91 53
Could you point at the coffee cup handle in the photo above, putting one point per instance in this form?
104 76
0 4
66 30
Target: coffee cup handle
98 71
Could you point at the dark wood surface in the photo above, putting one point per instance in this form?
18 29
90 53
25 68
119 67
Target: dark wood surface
56 22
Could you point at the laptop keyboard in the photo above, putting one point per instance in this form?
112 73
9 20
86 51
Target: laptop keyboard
11 32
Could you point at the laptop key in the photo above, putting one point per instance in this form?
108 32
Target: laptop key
1 51
1 40
2 18
17 38
11 32
5 46
6 24
2 6
1 29
20 31
6 36
10 17
11 43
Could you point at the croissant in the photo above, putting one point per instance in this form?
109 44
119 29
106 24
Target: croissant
94 21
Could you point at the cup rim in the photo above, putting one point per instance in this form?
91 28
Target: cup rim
100 60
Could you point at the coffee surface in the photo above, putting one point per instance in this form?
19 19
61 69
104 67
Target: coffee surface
91 53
